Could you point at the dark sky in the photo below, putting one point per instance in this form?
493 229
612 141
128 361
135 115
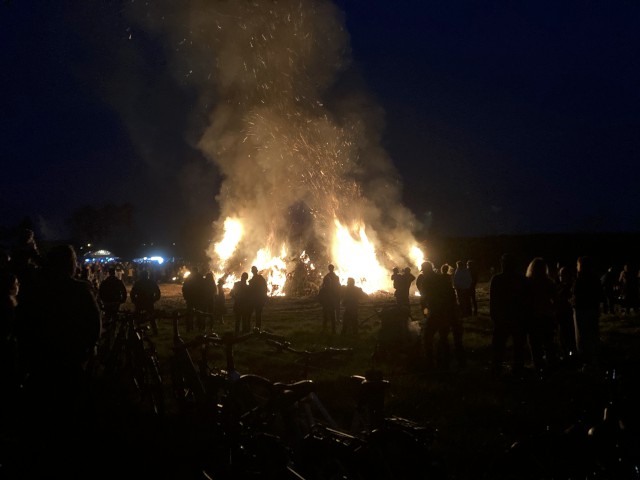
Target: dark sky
502 117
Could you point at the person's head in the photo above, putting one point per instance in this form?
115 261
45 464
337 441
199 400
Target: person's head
469 263
508 263
407 270
27 236
5 259
426 267
444 268
396 270
351 282
112 271
584 266
537 268
254 270
62 260
460 264
564 274
330 267
209 276
244 276
144 275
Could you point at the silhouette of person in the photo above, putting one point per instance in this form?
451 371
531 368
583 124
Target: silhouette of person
112 293
426 269
220 305
192 293
629 288
462 282
586 299
396 278
144 294
329 297
351 298
507 291
471 266
25 262
564 313
25 255
9 370
609 282
404 286
541 314
242 304
61 327
210 294
259 292
441 308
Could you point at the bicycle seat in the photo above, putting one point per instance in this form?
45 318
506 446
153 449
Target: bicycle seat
292 392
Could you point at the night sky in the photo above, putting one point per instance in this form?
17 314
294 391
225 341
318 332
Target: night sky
501 118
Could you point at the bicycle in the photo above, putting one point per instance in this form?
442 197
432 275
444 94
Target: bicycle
222 401
587 449
374 446
130 361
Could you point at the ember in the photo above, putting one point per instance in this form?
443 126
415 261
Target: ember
296 140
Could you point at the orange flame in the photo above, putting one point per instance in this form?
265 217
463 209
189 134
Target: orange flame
352 252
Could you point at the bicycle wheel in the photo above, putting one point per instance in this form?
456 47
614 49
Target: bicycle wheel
153 384
250 395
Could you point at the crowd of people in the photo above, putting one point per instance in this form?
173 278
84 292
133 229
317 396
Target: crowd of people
555 317
51 310
53 315
550 315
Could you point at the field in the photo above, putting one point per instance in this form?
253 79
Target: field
477 416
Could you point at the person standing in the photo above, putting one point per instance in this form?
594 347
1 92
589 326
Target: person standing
541 314
564 314
242 304
220 303
329 297
144 294
60 330
441 318
112 294
462 282
586 299
191 295
9 372
609 282
629 288
351 298
259 292
210 292
396 278
471 266
507 291
426 271
404 287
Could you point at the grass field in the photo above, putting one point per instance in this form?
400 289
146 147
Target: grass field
477 416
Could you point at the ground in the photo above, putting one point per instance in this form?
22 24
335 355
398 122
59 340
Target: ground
477 416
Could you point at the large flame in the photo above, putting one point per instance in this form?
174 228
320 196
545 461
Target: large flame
352 253
355 256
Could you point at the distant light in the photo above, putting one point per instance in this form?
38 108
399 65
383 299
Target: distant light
160 260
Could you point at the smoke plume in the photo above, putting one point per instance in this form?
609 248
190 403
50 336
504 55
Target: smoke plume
291 129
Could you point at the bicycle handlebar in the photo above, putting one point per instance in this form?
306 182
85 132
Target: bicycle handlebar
285 345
